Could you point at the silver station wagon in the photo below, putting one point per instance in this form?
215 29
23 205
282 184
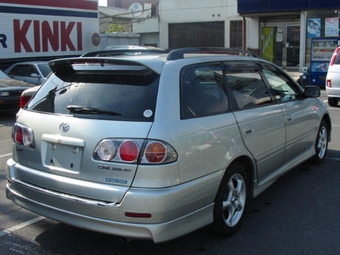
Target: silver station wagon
157 146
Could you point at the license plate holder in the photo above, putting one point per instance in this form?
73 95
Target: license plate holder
63 157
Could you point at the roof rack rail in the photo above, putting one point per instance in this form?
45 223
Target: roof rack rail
116 52
179 53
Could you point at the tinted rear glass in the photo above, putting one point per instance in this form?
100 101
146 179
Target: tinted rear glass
105 91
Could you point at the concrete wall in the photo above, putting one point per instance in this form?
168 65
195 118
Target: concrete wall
148 31
118 38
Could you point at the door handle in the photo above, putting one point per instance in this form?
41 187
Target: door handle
248 131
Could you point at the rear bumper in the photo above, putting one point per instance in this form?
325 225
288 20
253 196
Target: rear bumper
173 214
333 92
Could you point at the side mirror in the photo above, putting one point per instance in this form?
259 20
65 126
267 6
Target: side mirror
312 91
35 75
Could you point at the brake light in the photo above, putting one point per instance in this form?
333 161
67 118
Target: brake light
128 151
328 83
334 56
23 135
24 100
134 151
18 136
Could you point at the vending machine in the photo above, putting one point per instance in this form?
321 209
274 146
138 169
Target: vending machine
321 53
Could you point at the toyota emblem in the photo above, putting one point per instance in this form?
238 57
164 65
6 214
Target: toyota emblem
64 127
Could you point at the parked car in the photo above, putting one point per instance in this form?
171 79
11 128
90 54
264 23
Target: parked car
27 94
333 79
34 72
10 91
154 147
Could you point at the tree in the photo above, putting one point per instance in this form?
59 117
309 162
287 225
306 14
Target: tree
115 28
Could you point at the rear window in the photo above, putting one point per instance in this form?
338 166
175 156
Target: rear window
100 90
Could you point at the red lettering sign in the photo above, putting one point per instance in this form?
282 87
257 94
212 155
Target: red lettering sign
20 35
47 36
65 40
50 36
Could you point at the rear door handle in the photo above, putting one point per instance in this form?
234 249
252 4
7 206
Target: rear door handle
248 131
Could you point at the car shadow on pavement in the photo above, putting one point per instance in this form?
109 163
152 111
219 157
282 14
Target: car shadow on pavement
287 218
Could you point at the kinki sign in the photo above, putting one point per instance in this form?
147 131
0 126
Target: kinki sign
45 36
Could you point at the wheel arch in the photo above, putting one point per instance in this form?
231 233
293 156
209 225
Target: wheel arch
327 119
251 172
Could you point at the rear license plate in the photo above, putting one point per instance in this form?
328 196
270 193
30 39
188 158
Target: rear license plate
63 157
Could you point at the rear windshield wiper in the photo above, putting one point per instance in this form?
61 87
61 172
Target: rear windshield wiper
89 110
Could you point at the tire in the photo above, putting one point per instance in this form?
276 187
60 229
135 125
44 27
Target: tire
332 101
230 201
321 143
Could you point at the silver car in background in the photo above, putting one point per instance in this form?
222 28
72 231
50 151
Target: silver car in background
34 72
10 93
157 146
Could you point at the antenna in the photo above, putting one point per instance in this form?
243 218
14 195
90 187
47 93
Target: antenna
136 9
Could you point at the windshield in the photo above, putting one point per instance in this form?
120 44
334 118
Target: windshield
3 75
103 92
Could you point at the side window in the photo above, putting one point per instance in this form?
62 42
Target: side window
23 70
17 70
202 91
248 89
30 69
281 86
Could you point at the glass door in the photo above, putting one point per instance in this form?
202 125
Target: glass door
281 44
292 54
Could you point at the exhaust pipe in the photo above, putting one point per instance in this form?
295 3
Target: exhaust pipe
124 239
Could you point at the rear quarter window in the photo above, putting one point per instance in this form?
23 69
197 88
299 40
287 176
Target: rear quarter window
202 91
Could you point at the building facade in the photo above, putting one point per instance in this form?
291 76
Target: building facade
127 3
201 23
294 33
290 33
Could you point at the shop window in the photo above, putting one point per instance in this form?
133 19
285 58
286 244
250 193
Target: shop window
236 34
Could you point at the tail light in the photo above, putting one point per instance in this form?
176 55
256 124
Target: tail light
334 56
328 83
24 100
23 135
155 152
129 151
135 151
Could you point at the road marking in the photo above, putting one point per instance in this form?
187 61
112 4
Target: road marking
5 155
21 225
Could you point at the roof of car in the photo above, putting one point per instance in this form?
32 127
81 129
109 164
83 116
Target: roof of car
115 50
155 60
30 63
